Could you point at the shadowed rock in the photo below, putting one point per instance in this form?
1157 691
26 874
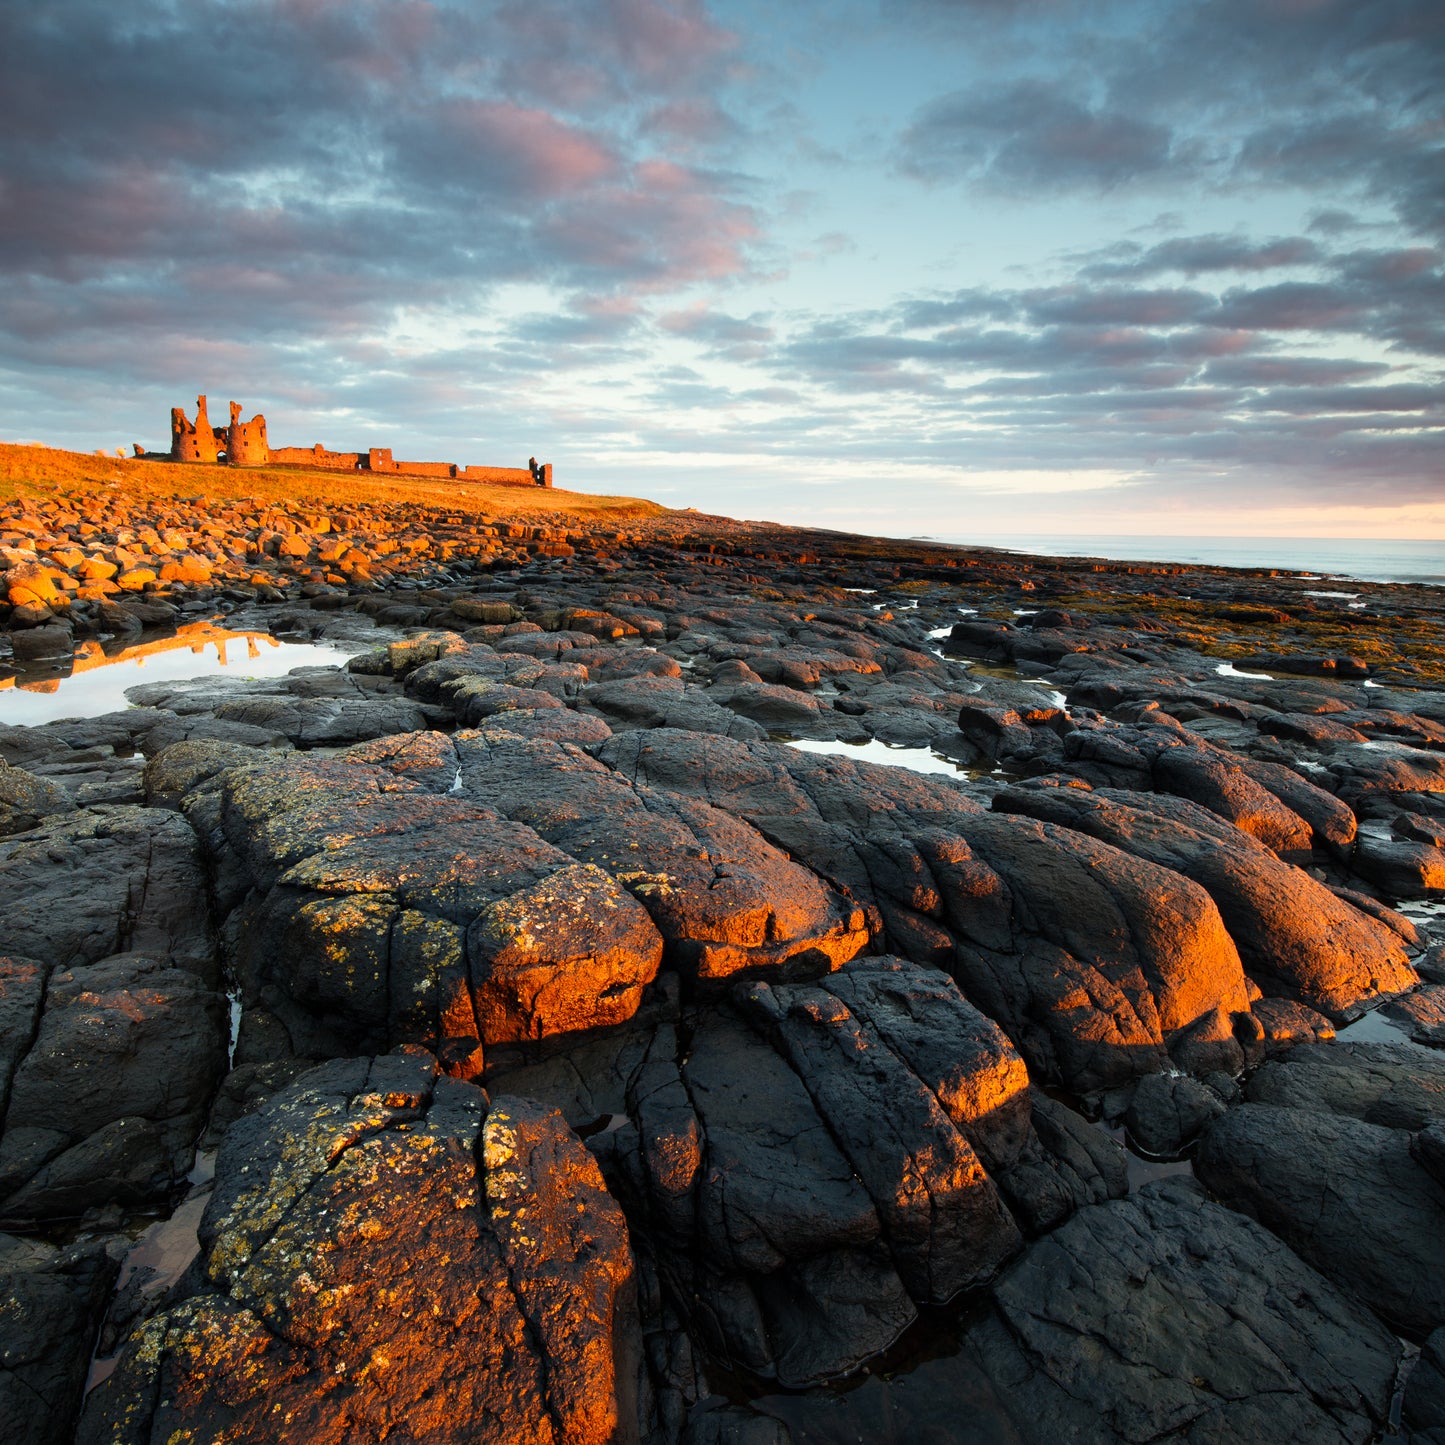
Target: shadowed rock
1347 1195
105 1075
51 1304
1164 1317
82 886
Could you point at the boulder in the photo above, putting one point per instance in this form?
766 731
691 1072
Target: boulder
1102 967
385 1250
387 908
51 1304
1164 1317
107 1071
25 799
1422 1411
1347 1195
1294 936
82 886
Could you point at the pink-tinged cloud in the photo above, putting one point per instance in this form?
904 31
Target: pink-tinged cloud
662 39
665 228
513 149
697 120
1292 306
608 49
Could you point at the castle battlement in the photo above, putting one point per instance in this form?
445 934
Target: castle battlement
244 444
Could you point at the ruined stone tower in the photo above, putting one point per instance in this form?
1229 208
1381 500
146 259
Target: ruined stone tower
193 443
246 440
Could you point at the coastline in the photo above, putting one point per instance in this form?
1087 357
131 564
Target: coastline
757 1091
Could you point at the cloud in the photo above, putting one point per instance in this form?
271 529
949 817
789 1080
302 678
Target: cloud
1028 133
229 165
1200 255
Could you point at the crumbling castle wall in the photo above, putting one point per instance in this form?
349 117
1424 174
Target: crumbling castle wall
505 476
246 440
245 445
317 457
193 441
379 459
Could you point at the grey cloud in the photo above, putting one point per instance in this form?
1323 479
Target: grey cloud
1112 306
1290 370
1031 134
234 164
1196 255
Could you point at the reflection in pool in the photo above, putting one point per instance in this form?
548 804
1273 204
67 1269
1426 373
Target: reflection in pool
98 680
920 760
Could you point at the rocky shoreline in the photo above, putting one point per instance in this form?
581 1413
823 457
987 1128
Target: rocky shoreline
583 1061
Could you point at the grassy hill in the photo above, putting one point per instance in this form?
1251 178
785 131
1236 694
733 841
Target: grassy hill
46 472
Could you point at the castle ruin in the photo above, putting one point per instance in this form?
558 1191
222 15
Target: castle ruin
244 444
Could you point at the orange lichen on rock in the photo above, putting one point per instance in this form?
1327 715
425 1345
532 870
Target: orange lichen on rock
384 1254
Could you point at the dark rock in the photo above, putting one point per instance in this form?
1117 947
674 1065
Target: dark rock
25 799
945 1223
43 644
329 722
182 767
1392 1085
1428 1148
51 1304
770 705
1165 1317
83 886
1067 1164
1422 1412
1345 1194
109 1084
366 1194
1168 1111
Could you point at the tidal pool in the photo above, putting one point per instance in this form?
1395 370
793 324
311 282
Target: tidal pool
920 760
98 679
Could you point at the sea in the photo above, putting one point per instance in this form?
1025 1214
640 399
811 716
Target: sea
1391 560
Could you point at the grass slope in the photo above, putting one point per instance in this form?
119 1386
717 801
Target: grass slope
45 472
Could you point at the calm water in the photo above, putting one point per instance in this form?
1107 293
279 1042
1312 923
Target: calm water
98 680
1396 560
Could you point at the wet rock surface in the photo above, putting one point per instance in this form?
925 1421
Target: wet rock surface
601 1065
51 1304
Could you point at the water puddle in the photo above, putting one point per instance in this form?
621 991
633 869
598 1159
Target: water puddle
1376 1028
161 1254
1342 596
1004 671
1228 669
98 678
918 760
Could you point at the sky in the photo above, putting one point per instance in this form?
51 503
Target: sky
944 267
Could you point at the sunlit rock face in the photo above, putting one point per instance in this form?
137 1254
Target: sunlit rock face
1101 966
812 1163
386 1251
1296 937
385 908
495 890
